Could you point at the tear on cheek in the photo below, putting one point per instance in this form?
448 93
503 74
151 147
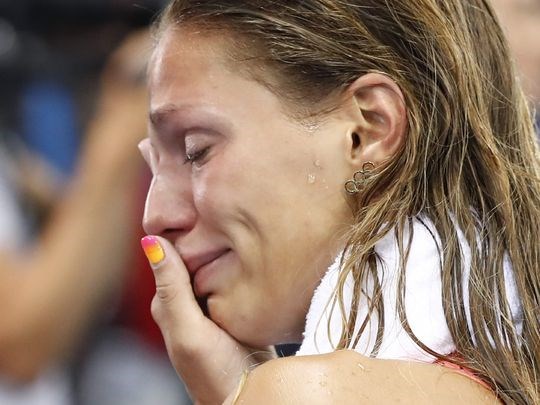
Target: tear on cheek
202 192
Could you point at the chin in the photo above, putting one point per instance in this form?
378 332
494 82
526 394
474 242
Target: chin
253 329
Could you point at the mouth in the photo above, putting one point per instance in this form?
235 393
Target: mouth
196 261
200 268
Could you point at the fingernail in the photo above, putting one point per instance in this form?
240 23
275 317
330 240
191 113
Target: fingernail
152 249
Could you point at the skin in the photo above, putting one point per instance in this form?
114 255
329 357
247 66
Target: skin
250 196
345 377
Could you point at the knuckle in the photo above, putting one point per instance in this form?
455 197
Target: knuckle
166 293
156 310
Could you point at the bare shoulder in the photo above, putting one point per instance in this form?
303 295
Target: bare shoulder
346 377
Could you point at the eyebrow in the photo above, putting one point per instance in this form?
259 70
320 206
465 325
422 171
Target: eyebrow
183 117
160 114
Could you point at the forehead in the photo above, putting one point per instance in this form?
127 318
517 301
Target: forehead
190 71
182 56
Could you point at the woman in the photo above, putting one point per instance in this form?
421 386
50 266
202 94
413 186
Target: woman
391 135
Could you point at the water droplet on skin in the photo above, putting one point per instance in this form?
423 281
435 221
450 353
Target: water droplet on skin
317 164
311 178
322 375
312 127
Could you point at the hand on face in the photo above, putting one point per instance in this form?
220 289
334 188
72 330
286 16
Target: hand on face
208 359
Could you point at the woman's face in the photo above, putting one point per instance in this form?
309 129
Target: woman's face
252 200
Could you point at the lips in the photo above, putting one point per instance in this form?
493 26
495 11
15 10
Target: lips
195 261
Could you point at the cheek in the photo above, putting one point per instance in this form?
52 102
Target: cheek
236 179
215 186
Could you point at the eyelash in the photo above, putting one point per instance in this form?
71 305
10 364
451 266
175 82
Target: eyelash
194 157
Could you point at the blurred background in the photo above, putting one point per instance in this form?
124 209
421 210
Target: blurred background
521 22
75 289
72 110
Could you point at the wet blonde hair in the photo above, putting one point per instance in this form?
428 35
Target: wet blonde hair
470 160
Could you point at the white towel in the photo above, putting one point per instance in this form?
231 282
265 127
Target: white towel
423 302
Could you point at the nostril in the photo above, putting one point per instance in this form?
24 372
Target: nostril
170 233
167 225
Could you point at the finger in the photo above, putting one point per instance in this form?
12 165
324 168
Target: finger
174 307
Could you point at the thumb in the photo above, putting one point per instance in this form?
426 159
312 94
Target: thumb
174 307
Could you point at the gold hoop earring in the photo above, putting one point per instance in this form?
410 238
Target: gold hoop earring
359 178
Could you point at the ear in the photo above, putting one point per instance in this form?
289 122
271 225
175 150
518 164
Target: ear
377 107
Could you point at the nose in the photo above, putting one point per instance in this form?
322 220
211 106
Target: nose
169 206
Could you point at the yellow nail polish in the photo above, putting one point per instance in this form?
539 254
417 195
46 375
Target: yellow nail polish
152 249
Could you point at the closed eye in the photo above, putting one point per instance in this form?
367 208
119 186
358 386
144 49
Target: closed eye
196 156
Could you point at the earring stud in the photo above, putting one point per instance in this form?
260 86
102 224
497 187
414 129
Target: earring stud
359 178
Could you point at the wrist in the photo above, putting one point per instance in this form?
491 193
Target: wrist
233 398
